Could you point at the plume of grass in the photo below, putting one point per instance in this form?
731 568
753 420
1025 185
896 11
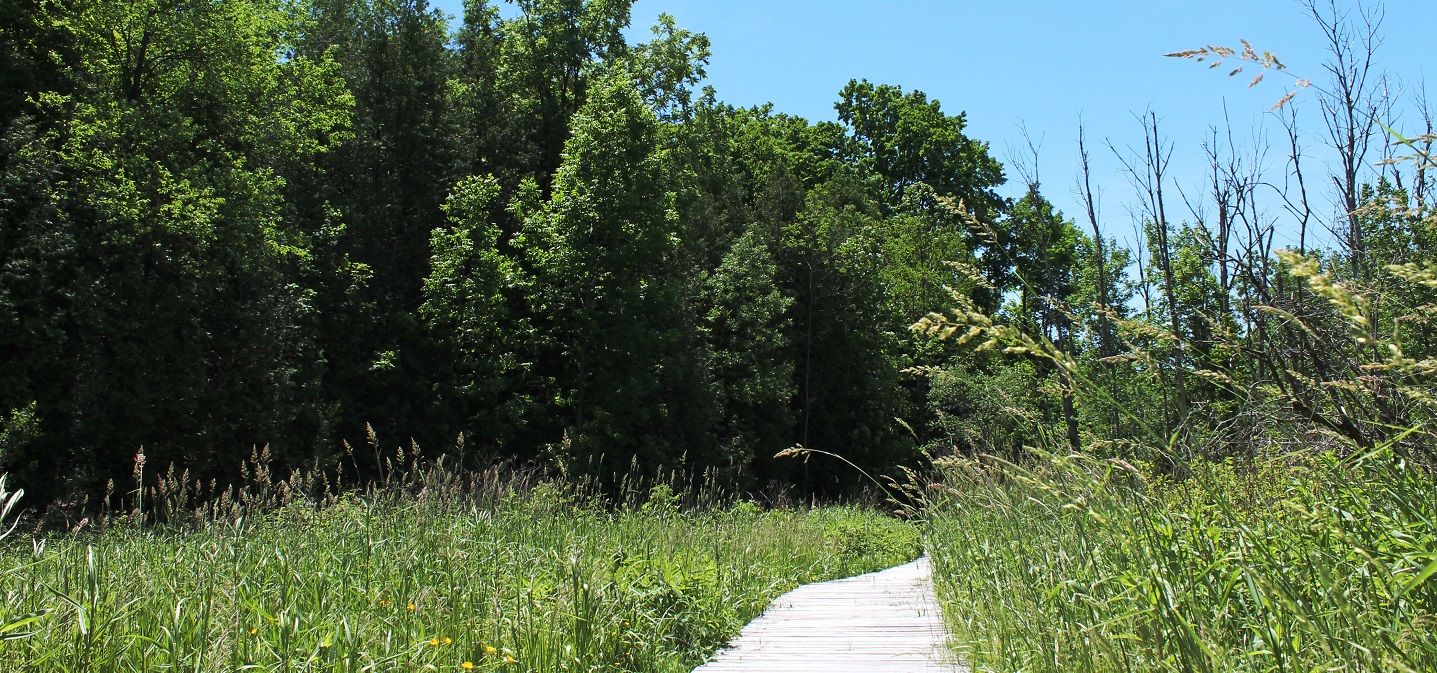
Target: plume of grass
1295 563
1305 557
500 570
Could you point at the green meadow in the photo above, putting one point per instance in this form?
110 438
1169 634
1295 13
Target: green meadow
1174 410
440 574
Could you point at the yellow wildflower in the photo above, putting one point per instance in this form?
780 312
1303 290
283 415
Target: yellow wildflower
489 649
468 665
434 642
510 660
411 607
448 640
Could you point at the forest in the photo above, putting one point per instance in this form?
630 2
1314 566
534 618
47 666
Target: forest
345 335
231 226
329 229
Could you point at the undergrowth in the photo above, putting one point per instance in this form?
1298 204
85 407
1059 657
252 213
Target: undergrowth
436 573
1300 563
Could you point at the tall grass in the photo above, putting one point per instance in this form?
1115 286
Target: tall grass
1295 564
434 573
1313 549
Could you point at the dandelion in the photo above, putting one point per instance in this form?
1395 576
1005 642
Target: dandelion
510 660
489 649
411 607
434 642
253 631
468 665
448 641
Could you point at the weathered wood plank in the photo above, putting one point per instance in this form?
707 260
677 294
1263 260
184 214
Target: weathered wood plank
885 622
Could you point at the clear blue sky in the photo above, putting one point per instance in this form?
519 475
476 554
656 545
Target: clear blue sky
1039 63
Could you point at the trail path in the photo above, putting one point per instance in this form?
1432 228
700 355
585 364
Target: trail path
883 622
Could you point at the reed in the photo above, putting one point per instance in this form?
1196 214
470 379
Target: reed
435 570
1293 563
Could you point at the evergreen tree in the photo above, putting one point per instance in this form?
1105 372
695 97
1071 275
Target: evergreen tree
601 249
383 191
749 328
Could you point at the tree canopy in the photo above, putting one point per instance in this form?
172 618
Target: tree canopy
315 224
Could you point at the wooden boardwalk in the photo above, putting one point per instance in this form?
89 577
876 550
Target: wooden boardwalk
883 622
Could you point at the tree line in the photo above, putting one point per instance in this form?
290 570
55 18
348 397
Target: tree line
335 228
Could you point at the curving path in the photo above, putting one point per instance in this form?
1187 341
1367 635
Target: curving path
885 622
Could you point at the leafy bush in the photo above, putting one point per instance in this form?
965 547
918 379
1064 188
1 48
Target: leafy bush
855 534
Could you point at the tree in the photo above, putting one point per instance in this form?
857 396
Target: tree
908 139
1045 254
1350 110
149 229
468 295
748 330
667 68
845 341
601 249
485 132
550 55
36 54
380 199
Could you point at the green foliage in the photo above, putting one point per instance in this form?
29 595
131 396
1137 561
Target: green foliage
520 237
748 327
860 535
908 139
36 46
1080 564
986 412
145 222
601 249
17 431
377 196
550 55
669 66
506 575
1043 248
1265 520
468 294
846 370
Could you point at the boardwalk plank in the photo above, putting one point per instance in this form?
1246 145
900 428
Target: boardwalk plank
885 622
